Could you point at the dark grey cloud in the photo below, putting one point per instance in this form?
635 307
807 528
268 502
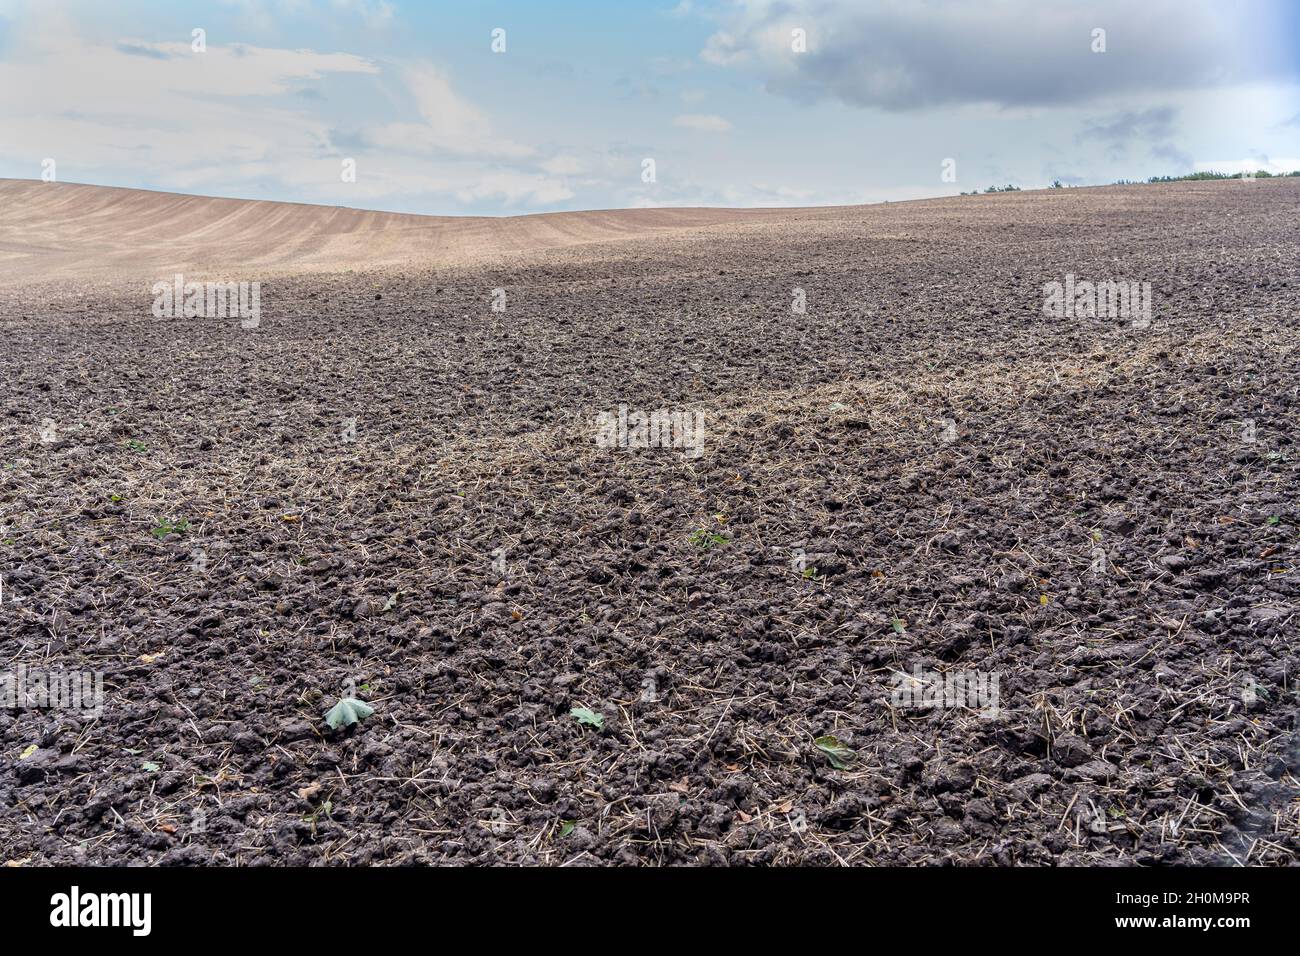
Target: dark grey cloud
1150 128
1182 161
1151 131
904 55
1154 123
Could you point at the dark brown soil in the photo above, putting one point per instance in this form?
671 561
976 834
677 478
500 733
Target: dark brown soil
657 588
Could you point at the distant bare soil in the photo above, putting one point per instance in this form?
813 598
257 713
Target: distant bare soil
388 489
57 232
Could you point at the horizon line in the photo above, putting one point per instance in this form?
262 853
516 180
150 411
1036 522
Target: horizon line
992 190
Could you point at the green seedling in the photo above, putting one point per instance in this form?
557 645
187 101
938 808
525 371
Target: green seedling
347 712
837 753
705 539
166 526
585 715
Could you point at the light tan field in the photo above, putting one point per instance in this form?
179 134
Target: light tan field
73 231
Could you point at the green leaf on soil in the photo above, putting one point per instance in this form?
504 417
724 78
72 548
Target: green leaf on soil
28 752
589 717
898 625
149 767
347 712
704 538
166 527
838 754
566 827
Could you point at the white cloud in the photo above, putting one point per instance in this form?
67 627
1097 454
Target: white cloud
373 14
241 120
564 166
1278 166
147 106
704 123
724 48
451 124
515 187
75 75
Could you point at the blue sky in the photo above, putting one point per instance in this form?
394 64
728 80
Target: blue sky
713 91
